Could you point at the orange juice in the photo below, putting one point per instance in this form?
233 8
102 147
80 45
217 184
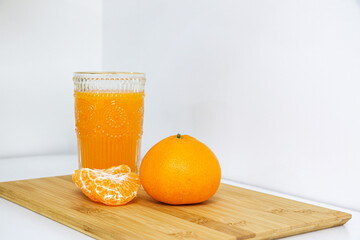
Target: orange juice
109 128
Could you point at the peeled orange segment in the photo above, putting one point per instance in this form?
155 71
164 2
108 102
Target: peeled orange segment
118 169
112 186
83 178
116 189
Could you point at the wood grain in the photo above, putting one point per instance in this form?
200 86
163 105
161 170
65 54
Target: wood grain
233 213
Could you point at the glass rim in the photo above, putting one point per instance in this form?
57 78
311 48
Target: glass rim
110 74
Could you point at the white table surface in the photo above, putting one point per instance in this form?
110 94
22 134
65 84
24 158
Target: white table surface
17 222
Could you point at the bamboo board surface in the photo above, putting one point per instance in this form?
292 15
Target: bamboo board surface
233 213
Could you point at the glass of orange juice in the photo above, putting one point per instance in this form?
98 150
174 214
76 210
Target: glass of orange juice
109 110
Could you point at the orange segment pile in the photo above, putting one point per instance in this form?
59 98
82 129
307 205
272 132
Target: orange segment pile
112 186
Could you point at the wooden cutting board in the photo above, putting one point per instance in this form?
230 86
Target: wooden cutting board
233 213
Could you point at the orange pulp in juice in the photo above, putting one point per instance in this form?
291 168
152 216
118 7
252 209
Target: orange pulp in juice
109 128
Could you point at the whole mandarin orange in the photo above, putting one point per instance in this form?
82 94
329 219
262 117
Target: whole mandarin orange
180 170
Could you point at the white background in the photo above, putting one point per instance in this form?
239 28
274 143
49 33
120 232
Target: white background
271 86
41 44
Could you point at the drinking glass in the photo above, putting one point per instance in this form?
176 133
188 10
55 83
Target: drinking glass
109 110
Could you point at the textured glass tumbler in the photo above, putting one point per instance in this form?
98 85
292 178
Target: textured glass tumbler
109 110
